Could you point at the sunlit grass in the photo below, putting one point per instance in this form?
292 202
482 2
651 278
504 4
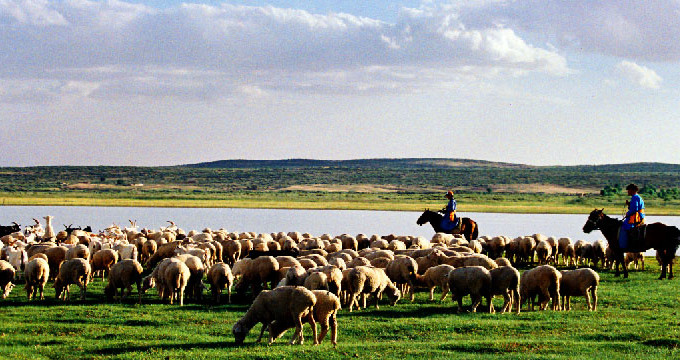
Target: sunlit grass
636 318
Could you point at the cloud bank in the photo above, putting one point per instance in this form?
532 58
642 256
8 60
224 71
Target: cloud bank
640 75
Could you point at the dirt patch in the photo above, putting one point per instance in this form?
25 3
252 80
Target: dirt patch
363 188
541 188
86 186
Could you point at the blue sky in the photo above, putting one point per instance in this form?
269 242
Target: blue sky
162 82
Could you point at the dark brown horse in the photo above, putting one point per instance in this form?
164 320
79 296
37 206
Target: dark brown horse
469 227
663 238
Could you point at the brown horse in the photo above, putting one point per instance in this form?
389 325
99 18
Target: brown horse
663 238
469 227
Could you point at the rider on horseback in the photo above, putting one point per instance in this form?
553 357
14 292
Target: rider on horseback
450 221
635 217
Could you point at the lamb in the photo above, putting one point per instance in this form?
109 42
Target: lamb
579 282
176 277
436 276
121 276
7 273
473 280
286 304
75 271
220 277
17 257
294 276
562 244
324 312
333 277
505 282
402 271
543 281
37 272
102 261
366 280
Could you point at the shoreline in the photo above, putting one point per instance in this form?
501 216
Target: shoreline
515 207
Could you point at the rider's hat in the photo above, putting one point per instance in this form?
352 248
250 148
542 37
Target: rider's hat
449 193
632 187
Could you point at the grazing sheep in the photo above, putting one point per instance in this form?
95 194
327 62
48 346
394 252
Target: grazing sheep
121 276
220 277
358 261
636 258
55 256
587 254
505 282
543 252
579 282
333 277
316 281
148 249
102 261
257 273
194 288
164 251
527 248
577 250
286 261
324 312
512 250
338 262
470 260
542 281
366 280
473 280
155 279
176 277
75 271
36 273
436 276
381 262
6 278
496 245
232 251
402 271
569 255
501 261
286 304
562 244
598 255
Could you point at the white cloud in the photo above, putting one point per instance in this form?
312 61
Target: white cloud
640 75
197 49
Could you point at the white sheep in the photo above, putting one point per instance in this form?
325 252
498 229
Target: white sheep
402 271
436 276
75 271
220 277
36 273
121 276
324 312
367 280
473 280
176 277
7 273
505 282
542 281
579 282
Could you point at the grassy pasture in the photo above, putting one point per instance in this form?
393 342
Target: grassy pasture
636 318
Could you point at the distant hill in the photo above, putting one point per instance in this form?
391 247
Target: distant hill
427 163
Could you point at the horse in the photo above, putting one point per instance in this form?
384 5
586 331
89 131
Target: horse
469 227
663 238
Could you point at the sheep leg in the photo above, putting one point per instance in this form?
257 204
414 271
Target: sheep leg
476 300
352 301
298 331
259 338
507 302
593 292
445 291
460 303
312 323
516 299
432 293
324 330
334 329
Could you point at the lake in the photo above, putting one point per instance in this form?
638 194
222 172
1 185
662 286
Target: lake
316 222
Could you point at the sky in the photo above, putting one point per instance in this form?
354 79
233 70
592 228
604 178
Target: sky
151 82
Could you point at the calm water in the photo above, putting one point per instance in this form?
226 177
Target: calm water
316 222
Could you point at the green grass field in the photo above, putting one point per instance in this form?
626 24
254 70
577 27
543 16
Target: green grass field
636 318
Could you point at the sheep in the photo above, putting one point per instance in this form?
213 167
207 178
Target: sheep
324 312
75 271
287 304
316 281
587 253
232 251
501 261
441 238
380 262
78 251
402 271
544 281
436 276
285 261
257 272
55 256
38 256
155 279
220 277
194 286
476 246
473 280
358 261
543 252
333 277
636 258
366 280
317 258
121 276
527 247
579 282
350 242
102 261
598 255
512 250
148 249
7 273
471 260
496 245
17 257
577 250
164 251
562 244
569 255
36 273
176 277
338 262
395 245
505 282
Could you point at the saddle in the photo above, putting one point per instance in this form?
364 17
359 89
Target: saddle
459 228
636 238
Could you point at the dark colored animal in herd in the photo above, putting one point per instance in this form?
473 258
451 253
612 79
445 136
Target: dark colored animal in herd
6 230
69 229
469 227
254 254
663 238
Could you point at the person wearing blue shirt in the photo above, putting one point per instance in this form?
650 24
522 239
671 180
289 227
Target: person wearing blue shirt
450 220
634 218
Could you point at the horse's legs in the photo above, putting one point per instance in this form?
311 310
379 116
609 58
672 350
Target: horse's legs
670 267
664 264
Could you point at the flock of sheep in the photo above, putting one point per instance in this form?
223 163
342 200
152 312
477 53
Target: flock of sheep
299 278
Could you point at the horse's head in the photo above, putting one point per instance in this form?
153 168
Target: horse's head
424 217
593 222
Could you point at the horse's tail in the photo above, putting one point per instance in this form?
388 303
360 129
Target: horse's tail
475 230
